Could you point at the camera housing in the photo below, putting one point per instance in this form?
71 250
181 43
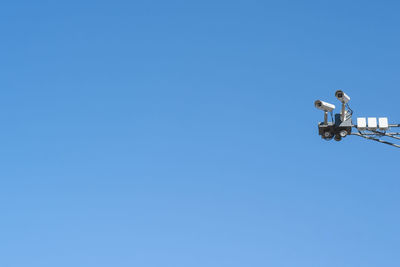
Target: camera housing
342 97
324 106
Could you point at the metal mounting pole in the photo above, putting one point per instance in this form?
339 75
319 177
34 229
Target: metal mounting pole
326 118
343 114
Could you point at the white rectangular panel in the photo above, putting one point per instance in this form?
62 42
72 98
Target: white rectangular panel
383 124
372 124
361 124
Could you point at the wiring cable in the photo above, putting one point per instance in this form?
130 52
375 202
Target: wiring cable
384 133
375 139
391 136
351 111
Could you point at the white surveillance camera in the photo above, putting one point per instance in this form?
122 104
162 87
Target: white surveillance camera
342 96
324 106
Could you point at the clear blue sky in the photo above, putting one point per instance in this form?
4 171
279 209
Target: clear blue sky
183 133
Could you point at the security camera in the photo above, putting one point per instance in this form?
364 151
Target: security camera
324 106
342 97
343 133
327 135
337 137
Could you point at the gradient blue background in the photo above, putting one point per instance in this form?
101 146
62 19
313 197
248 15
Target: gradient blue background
176 133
